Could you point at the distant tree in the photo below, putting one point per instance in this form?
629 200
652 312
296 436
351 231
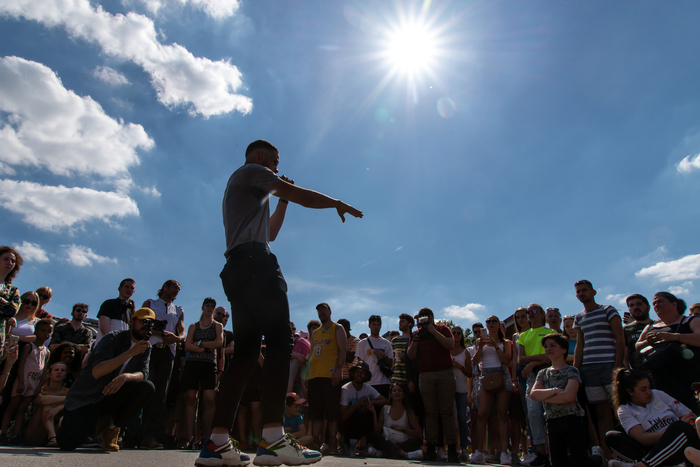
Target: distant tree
446 322
468 338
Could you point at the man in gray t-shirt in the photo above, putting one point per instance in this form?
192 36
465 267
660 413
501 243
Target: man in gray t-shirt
254 285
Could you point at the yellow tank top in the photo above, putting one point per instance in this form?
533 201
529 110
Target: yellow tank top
324 352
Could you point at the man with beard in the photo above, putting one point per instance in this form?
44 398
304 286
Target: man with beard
638 307
112 388
358 402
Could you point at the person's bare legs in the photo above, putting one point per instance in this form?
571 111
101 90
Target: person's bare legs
485 401
255 420
209 398
190 408
503 401
605 423
692 454
9 413
48 424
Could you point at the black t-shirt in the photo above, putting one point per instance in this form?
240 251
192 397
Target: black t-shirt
117 309
632 333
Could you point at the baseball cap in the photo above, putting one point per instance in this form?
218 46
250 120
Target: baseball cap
293 398
144 313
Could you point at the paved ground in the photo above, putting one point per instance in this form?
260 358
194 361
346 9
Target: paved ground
51 457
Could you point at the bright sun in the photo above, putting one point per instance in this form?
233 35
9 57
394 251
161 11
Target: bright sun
411 48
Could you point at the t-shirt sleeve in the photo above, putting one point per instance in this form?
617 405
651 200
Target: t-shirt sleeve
373 393
541 380
574 374
676 406
445 331
611 312
344 396
263 178
360 350
627 420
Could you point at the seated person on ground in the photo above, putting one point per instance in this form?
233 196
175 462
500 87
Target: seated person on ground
293 421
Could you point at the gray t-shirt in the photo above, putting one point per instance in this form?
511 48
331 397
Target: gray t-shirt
246 208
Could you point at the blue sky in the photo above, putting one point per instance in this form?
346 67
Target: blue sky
500 151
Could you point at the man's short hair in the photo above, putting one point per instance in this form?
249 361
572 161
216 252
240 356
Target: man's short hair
128 279
375 318
409 318
477 325
323 305
425 311
560 340
168 283
635 296
344 323
584 282
537 306
43 322
43 290
87 307
260 144
312 323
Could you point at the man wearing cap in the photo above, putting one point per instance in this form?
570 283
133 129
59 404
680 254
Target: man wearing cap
111 388
293 421
351 347
357 408
326 375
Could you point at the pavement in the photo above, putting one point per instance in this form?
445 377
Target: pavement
51 457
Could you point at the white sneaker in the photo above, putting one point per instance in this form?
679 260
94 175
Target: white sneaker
598 451
505 459
528 458
464 455
442 454
416 455
478 458
227 454
372 452
285 450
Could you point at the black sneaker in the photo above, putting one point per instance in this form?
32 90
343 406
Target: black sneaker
430 455
540 460
452 456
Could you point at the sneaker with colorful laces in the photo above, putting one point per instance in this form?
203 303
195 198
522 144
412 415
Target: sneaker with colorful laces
285 450
227 454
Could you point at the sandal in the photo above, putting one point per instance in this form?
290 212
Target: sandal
52 442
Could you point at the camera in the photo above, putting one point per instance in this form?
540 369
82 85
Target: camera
159 324
423 320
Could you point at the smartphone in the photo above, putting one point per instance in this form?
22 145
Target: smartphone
484 333
14 340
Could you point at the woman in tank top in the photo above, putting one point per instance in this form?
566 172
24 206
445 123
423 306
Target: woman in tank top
203 339
494 353
397 433
462 368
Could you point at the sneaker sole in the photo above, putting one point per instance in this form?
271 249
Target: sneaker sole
271 461
218 463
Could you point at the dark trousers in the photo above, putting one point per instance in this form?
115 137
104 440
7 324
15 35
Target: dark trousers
358 425
257 291
79 424
668 451
568 435
160 367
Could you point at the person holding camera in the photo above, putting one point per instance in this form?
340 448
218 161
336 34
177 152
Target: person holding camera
112 388
431 345
168 331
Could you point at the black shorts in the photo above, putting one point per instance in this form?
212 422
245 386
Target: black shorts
324 399
196 372
253 390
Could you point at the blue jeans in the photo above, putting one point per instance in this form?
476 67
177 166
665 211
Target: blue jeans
462 401
535 414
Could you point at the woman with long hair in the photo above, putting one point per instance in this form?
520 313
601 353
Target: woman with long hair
675 339
494 353
203 338
10 301
69 354
26 318
397 433
462 367
48 405
658 428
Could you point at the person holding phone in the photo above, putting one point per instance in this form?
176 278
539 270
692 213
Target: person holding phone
112 388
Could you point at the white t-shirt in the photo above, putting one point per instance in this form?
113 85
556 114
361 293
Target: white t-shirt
364 351
460 378
349 395
656 416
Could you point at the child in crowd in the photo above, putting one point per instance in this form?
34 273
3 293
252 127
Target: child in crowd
293 421
556 388
48 405
32 362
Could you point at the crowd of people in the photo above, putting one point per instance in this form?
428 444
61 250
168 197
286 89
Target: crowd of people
549 389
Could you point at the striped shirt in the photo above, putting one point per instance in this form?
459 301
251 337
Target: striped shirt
598 339
399 344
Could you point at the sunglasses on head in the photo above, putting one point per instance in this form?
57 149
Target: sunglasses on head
26 301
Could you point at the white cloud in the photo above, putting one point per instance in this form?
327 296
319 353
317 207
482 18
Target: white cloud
50 126
56 207
79 255
469 311
109 76
678 290
689 164
399 248
218 9
620 298
32 252
206 87
6 169
682 269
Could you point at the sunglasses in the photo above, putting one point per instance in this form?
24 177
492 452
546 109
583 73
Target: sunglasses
81 310
45 297
26 301
492 321
457 333
210 305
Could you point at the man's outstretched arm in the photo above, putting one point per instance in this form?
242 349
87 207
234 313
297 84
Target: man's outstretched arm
312 199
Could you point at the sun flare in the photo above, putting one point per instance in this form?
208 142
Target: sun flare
411 48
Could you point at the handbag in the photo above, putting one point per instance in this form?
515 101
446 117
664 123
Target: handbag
383 367
660 356
396 436
493 382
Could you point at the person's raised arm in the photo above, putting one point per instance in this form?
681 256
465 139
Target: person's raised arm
312 199
277 217
445 341
107 366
